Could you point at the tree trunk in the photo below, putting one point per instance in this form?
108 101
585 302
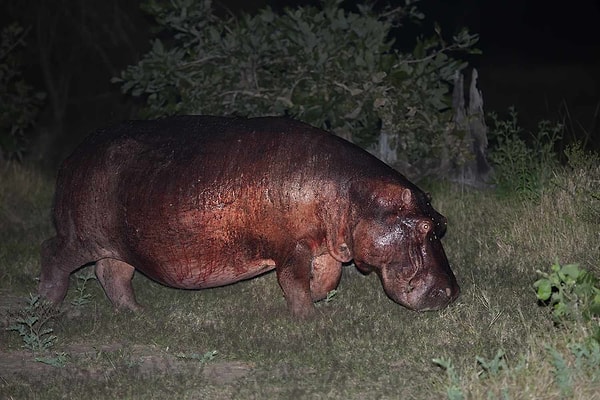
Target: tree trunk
472 168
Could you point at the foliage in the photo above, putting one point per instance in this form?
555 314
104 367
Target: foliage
562 372
579 158
493 366
453 391
584 354
331 296
19 103
488 369
57 360
333 68
521 166
582 181
82 279
566 365
32 324
571 292
201 358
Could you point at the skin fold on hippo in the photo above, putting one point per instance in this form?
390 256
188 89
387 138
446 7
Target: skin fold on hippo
197 202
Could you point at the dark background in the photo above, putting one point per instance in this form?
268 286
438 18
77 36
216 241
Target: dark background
542 57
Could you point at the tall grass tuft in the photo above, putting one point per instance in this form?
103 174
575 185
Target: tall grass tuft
25 199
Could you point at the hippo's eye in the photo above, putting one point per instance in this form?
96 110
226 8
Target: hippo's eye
425 227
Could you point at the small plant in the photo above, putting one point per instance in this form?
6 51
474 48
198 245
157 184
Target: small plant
58 360
331 295
82 280
587 353
570 291
493 366
567 366
32 324
579 158
453 391
562 372
202 358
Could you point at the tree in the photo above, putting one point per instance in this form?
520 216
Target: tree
330 67
75 47
19 102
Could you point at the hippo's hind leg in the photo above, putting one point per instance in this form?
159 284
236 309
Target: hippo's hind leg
115 277
59 260
325 276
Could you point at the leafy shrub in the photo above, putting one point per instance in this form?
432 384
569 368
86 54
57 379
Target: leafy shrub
454 390
19 103
32 324
83 297
571 292
582 181
487 369
332 68
201 358
521 166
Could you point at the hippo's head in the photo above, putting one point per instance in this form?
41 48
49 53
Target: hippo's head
397 235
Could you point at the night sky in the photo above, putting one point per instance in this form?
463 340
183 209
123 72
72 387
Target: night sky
546 30
528 29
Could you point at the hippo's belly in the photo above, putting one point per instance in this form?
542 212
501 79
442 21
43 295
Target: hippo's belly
193 274
196 249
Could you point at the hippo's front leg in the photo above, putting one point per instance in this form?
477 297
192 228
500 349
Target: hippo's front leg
293 275
325 276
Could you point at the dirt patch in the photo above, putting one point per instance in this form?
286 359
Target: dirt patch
101 362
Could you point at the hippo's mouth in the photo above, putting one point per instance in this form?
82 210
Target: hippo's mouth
437 299
424 294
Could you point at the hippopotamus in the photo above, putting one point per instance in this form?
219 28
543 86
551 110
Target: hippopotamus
197 202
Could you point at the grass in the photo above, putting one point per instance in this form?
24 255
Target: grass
495 342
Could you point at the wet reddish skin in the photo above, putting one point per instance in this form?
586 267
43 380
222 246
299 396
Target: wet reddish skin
196 202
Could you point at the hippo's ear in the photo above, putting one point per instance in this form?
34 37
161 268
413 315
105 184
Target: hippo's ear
406 196
392 197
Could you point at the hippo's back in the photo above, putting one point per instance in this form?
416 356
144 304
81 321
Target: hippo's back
218 146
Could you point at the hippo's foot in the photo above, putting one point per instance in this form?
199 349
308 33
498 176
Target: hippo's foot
301 311
53 286
115 277
58 262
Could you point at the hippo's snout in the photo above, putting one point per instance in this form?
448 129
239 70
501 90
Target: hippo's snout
437 298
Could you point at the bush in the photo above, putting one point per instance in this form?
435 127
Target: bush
327 66
522 167
19 103
583 181
571 291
